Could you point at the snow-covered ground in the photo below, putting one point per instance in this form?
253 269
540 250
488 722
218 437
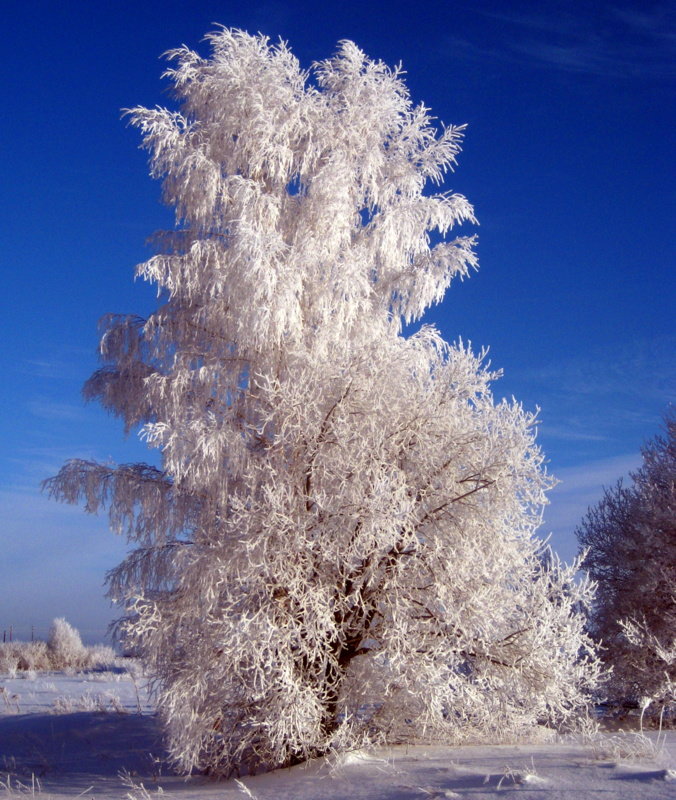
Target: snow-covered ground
94 736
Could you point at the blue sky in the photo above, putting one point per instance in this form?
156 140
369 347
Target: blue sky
568 160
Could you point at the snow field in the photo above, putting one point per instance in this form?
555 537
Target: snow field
93 735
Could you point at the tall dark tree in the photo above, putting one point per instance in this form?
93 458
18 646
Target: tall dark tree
631 541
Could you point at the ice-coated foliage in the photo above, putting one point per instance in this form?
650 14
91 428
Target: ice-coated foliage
339 545
630 536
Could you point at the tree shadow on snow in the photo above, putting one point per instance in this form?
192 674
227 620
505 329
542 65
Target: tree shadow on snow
663 775
81 745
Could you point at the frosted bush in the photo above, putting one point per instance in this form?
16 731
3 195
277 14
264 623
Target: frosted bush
24 656
34 656
9 658
65 645
64 650
102 702
100 656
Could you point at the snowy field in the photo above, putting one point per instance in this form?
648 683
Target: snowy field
94 736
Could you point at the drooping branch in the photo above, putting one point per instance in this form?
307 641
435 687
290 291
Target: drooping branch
142 501
122 392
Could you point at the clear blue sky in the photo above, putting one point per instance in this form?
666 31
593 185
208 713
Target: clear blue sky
568 160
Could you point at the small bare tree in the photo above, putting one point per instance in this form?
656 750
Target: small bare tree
339 545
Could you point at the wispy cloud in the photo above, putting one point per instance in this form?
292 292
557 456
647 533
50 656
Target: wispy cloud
45 368
579 488
31 464
595 56
600 396
609 42
642 368
55 367
655 24
569 434
558 21
53 410
594 475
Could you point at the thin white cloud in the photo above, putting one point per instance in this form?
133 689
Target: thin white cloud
569 434
593 56
67 365
616 42
656 24
579 488
32 464
559 22
53 410
599 396
594 475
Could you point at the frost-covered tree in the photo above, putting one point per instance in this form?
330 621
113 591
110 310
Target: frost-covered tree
64 645
630 536
339 545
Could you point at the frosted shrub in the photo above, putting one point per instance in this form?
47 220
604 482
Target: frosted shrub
64 650
9 658
65 646
34 656
654 667
100 656
339 546
24 656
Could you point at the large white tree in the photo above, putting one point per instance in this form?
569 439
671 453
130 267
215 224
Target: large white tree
339 546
